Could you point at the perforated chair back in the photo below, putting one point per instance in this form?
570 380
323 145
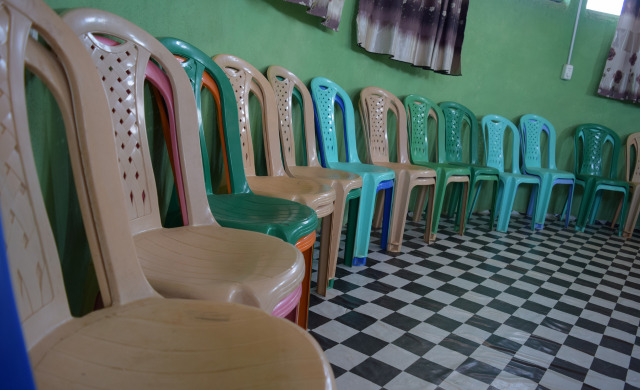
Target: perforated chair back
593 138
419 110
531 128
494 129
457 117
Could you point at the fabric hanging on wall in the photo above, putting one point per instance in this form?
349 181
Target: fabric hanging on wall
330 10
425 33
621 77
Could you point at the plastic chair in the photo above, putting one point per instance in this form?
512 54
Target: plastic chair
456 117
531 128
203 260
419 110
347 185
633 178
140 340
375 105
494 128
326 94
242 209
590 174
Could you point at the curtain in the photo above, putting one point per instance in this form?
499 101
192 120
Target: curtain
330 10
621 77
425 33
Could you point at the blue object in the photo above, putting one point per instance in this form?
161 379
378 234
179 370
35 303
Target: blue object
325 95
16 369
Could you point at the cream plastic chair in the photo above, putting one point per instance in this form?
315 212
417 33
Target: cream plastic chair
375 105
287 87
632 175
248 81
202 260
140 341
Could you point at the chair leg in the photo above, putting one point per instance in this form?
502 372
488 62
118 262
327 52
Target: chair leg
441 185
616 215
386 218
585 205
305 243
418 206
632 213
324 261
474 189
463 206
568 205
379 213
352 225
494 204
454 202
428 236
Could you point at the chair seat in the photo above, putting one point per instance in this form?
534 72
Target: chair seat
220 264
319 197
519 178
601 180
228 346
415 172
477 169
380 173
450 169
273 216
556 173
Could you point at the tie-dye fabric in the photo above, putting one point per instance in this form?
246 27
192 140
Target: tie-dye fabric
330 10
621 76
425 33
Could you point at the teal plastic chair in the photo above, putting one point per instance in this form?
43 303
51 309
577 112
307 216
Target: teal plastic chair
419 110
531 129
457 117
591 139
326 94
494 128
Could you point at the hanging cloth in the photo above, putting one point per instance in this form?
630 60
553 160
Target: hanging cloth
330 10
425 33
621 76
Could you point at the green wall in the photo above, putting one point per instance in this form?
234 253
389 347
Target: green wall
511 59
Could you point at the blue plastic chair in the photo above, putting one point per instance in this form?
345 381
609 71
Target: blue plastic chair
494 128
325 95
16 369
531 128
591 138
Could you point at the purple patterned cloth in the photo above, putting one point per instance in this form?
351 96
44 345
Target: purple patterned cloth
425 33
330 10
621 76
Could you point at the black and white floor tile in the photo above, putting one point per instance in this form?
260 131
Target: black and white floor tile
554 309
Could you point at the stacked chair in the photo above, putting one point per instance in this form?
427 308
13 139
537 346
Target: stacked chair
457 118
531 129
348 186
326 94
140 340
419 110
494 129
375 105
590 172
632 175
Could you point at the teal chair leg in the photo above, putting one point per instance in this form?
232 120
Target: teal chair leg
494 208
454 202
365 220
352 225
506 205
441 185
586 203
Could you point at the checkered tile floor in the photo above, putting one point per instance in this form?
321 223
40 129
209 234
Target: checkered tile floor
555 309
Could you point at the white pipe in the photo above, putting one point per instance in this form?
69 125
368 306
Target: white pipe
575 28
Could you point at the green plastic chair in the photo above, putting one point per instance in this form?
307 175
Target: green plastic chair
456 117
419 110
531 129
326 94
494 128
590 174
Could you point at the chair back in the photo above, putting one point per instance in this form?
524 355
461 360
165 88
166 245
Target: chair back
593 138
325 95
419 110
122 67
494 128
633 168
288 87
375 104
531 128
66 69
455 117
247 80
203 72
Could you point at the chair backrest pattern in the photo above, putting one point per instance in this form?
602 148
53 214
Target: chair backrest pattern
531 127
594 137
494 129
456 116
633 171
419 110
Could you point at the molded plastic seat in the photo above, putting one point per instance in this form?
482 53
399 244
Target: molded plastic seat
140 341
531 128
589 170
419 110
632 174
494 128
212 262
375 105
456 117
325 95
347 185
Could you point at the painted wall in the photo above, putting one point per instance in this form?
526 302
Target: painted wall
511 60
